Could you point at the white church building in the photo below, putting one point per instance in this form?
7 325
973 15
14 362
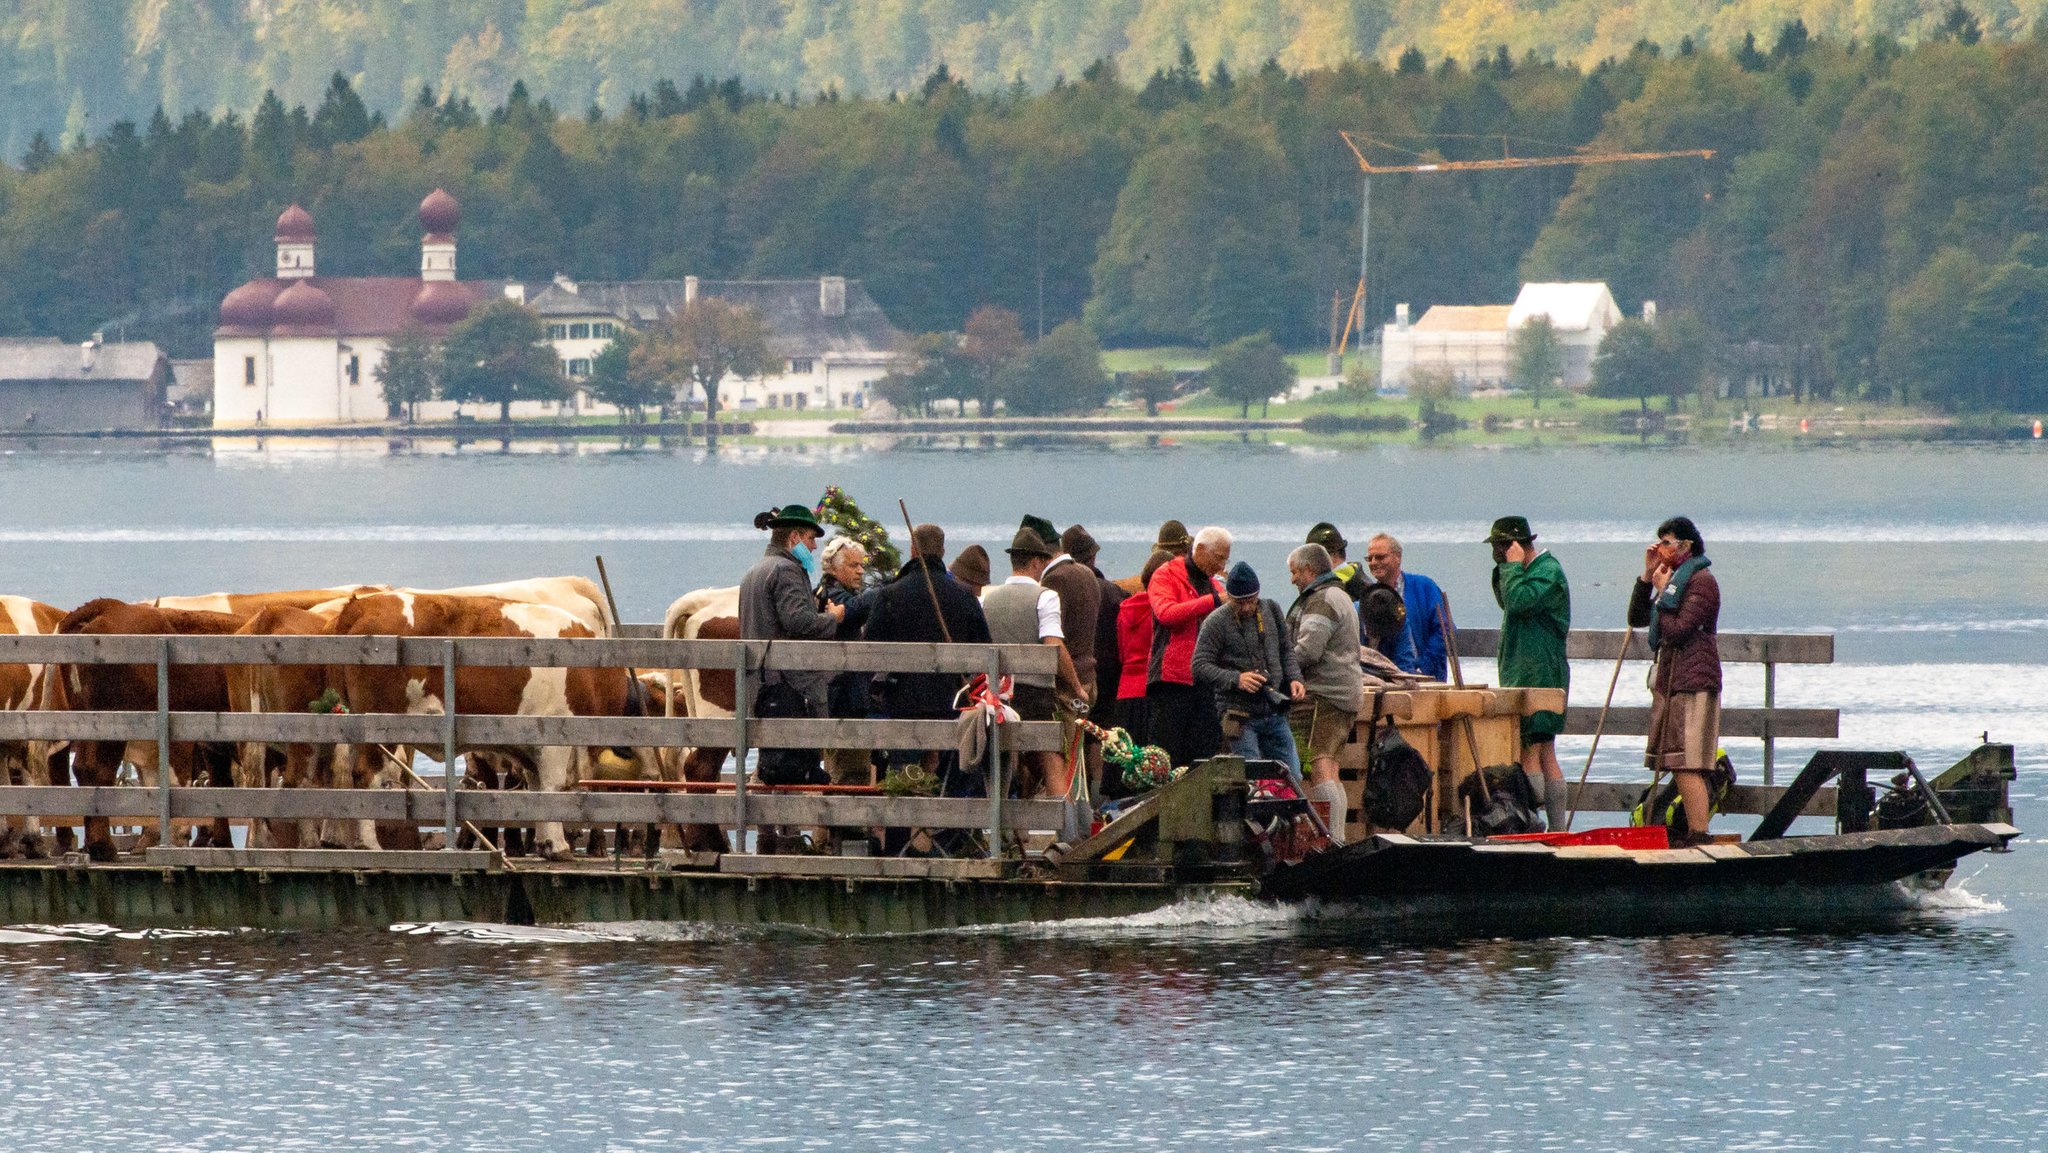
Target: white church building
1473 344
299 348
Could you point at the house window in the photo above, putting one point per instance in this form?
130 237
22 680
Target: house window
772 401
799 364
579 332
355 369
558 332
579 368
249 371
604 330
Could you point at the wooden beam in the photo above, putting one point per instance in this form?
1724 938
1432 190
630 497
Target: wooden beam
1736 648
424 806
521 652
425 730
790 865
1621 796
403 860
1634 721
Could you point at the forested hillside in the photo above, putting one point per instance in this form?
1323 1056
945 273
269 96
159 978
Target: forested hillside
1873 218
77 66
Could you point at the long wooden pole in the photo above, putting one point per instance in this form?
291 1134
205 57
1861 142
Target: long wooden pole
931 590
1627 639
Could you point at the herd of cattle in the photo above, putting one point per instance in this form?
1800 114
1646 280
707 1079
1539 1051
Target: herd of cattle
553 607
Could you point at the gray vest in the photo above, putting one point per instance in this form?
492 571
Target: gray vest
1012 612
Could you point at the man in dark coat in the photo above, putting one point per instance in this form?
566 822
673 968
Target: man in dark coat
909 608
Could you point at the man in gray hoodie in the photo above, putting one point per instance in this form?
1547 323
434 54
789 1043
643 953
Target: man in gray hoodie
1243 654
1324 623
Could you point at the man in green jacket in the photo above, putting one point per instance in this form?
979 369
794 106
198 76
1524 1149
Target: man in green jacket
1536 616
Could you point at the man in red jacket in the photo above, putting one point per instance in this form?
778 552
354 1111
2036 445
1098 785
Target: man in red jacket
1183 592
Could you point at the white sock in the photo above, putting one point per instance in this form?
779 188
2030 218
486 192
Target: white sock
1332 793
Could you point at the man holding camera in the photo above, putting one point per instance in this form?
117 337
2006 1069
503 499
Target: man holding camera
1244 654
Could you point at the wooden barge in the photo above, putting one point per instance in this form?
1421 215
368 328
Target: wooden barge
1185 842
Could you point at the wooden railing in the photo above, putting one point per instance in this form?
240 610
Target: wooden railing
1767 649
454 730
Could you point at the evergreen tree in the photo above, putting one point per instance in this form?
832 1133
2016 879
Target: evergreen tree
1536 358
1060 374
1249 370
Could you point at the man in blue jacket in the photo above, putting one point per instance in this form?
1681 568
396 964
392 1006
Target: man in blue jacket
1429 611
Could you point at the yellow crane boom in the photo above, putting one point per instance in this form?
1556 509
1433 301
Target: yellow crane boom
1356 317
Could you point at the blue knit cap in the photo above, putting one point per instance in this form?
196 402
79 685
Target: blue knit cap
1242 581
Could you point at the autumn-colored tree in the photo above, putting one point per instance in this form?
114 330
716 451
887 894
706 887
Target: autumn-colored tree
990 341
701 344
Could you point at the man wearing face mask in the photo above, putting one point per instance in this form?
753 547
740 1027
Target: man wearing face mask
776 604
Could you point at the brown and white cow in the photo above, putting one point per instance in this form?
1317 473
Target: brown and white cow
194 688
246 605
286 689
25 687
711 615
557 692
578 596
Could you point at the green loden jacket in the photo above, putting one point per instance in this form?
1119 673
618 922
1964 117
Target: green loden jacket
1536 615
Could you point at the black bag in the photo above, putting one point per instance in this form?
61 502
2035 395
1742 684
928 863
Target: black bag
1507 805
780 699
1397 784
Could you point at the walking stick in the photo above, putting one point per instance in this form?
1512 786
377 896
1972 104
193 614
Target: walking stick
1443 623
1627 639
930 589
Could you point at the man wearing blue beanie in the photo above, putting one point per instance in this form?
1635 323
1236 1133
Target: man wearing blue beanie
1244 655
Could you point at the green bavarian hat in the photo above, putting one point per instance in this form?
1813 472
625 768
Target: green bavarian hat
1511 528
1028 543
1042 527
789 516
1326 534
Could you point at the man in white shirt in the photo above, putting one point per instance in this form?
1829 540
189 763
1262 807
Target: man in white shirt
1021 611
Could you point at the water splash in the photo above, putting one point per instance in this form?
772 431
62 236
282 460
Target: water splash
608 933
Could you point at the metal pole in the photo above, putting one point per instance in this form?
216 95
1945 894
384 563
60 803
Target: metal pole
163 741
995 760
740 697
1770 701
1364 243
448 778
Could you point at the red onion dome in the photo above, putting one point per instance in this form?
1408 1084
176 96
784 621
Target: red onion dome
303 305
439 213
295 224
441 302
249 306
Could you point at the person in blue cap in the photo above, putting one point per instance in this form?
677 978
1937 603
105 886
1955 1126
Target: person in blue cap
1245 656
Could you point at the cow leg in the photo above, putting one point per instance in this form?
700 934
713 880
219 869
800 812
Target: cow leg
95 762
704 765
552 769
367 768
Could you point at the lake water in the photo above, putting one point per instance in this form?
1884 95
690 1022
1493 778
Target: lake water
1224 1026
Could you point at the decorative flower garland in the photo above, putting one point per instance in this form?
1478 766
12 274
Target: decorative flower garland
838 510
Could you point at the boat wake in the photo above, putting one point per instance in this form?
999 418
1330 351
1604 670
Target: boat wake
1954 900
1196 918
607 933
57 934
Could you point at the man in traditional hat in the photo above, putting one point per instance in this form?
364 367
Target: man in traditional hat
1171 543
971 569
1536 617
1021 611
776 604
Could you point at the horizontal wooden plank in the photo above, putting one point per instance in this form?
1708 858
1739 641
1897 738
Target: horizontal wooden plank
1736 648
402 860
476 730
520 652
1621 796
424 806
1634 721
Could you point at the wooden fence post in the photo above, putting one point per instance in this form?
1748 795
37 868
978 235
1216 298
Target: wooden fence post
740 701
449 780
163 740
995 757
1770 702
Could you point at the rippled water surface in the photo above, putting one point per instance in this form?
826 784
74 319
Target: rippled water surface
1225 1026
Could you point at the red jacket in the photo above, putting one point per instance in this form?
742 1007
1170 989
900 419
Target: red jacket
1181 596
1133 646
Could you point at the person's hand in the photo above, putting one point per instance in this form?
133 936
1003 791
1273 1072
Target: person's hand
1660 576
1653 557
1297 690
1516 553
836 611
1251 682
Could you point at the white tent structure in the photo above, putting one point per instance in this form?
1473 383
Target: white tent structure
1473 343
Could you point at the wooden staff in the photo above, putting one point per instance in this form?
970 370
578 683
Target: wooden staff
1627 639
931 590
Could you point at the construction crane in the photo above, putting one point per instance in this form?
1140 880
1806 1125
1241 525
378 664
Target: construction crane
1356 316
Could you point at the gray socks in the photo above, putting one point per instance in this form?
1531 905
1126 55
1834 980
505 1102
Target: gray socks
1556 802
1333 793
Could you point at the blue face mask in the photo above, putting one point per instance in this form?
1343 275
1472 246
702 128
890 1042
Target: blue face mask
805 557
